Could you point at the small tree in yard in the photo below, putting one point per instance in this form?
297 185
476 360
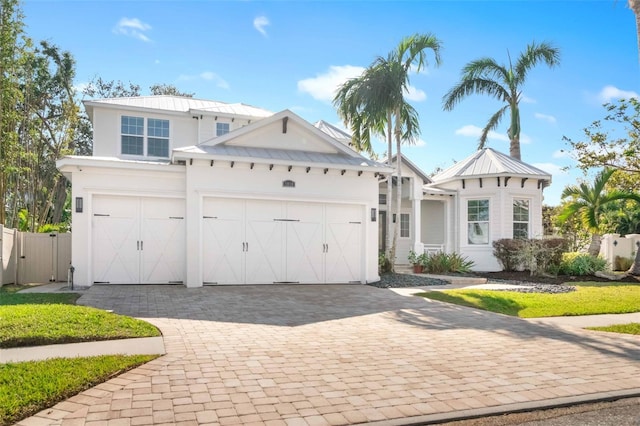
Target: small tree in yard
587 202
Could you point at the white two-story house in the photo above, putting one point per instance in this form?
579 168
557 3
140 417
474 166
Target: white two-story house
197 192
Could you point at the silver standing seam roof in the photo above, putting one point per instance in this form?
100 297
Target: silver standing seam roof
304 157
489 162
183 104
333 131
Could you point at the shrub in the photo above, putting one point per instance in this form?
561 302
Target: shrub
384 265
575 263
622 263
536 255
441 262
506 251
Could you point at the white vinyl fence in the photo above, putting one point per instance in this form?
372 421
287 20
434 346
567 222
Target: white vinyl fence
34 258
613 245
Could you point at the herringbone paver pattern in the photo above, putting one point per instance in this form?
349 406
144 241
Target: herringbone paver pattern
335 355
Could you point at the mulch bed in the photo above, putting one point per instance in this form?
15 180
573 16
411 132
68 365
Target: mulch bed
525 276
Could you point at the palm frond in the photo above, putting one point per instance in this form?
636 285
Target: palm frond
468 87
534 54
491 125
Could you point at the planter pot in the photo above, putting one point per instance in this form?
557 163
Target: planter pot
417 269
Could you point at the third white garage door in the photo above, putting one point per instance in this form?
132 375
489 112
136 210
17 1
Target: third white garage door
262 242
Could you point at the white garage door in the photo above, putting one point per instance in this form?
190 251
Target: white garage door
261 242
138 240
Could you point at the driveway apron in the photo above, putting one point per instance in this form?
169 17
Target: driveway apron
340 354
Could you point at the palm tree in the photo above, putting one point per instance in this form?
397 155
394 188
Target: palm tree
504 83
374 104
588 203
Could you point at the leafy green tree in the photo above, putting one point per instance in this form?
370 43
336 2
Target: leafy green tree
168 89
503 82
588 202
12 46
103 89
613 141
374 104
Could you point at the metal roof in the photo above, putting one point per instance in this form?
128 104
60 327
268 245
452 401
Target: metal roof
268 154
182 104
333 131
489 162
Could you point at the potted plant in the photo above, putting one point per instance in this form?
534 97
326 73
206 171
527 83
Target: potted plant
415 260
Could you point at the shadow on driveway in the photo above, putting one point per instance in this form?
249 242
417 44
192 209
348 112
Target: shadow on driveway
298 305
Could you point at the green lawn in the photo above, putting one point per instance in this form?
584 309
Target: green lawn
32 319
29 319
28 387
589 298
631 328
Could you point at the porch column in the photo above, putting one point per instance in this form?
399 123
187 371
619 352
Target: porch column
416 214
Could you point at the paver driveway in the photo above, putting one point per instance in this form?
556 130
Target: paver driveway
315 355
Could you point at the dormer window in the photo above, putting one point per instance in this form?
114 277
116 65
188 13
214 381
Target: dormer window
151 140
222 129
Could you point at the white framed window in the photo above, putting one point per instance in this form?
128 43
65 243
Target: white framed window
222 129
137 139
382 199
132 129
405 225
520 218
478 222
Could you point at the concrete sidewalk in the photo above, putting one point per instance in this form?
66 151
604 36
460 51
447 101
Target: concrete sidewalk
583 321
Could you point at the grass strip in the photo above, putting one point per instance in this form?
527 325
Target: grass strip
631 328
29 387
35 325
9 299
588 299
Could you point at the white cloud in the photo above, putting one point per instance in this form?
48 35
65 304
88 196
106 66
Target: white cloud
79 88
418 143
132 27
323 87
475 131
612 93
207 76
527 100
415 94
260 23
553 169
545 117
560 154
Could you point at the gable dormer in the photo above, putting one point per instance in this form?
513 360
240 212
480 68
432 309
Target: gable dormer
150 127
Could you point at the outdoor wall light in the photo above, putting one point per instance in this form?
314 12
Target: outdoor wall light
373 215
78 204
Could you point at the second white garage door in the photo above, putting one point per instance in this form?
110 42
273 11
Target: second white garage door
261 242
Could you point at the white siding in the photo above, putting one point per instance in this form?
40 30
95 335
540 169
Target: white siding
242 182
106 130
163 182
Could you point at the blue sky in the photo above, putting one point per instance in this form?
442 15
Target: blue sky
293 54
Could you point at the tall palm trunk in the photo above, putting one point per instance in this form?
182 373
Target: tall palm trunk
635 6
390 249
594 246
635 268
398 135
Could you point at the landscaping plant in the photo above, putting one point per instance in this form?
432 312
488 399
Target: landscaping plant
441 262
579 264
